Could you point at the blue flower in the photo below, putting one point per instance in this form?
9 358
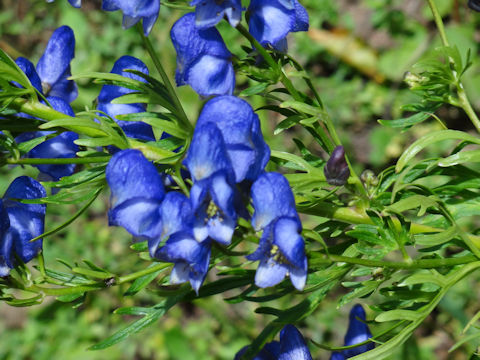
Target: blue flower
281 250
191 258
240 128
292 346
58 147
134 10
133 129
357 332
74 3
213 193
271 20
53 68
136 194
19 223
208 13
175 215
203 60
336 169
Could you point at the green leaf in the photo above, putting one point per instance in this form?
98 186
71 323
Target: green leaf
136 326
287 123
429 139
460 158
406 122
143 281
398 314
255 89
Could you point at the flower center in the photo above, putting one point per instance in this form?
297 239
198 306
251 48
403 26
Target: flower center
213 212
46 87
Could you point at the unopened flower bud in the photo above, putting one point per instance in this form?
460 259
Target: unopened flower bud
474 5
336 170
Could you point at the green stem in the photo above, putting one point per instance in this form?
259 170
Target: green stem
166 80
415 264
438 22
61 161
97 285
464 103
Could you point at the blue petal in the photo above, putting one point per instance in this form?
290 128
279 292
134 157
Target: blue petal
110 5
219 191
337 356
271 351
272 198
264 246
270 21
179 273
176 215
211 75
133 11
61 146
209 12
207 153
292 345
6 256
139 216
289 241
241 132
64 88
357 332
148 22
301 18
75 3
26 220
55 61
110 92
27 67
130 175
61 105
269 273
192 46
298 275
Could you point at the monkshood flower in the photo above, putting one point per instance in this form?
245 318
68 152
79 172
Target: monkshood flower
474 5
133 129
336 169
240 128
19 223
74 3
191 258
209 13
53 68
281 249
175 215
271 20
136 194
212 194
134 11
292 346
357 332
61 146
203 60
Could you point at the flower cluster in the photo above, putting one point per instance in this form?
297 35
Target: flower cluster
227 156
20 223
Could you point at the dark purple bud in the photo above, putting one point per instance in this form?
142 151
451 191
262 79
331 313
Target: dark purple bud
474 5
336 170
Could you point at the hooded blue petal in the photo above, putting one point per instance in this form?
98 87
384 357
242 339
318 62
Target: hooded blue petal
271 21
292 345
241 132
272 198
203 60
213 205
134 11
133 129
54 65
191 258
209 12
176 215
207 153
26 221
357 332
271 351
29 69
136 193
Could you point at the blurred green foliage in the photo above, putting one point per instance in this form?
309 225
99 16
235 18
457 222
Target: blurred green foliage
358 53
